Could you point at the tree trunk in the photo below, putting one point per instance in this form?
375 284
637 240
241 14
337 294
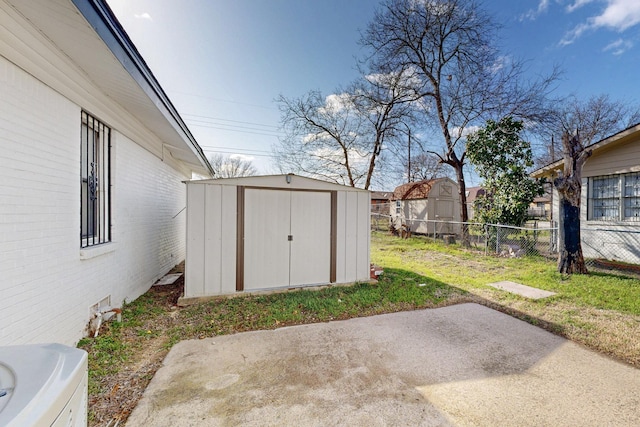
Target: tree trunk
569 186
570 259
462 194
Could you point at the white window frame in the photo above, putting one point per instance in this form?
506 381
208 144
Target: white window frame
631 197
614 198
95 182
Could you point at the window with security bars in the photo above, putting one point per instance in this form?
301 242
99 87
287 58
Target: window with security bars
632 196
95 176
615 198
605 198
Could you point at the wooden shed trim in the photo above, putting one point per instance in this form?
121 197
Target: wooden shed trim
240 240
333 262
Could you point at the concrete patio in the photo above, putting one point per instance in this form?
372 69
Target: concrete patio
463 365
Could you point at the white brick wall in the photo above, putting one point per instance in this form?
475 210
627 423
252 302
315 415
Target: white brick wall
45 288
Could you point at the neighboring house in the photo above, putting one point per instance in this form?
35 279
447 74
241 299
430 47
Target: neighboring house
540 207
380 202
610 203
427 207
472 194
281 231
92 159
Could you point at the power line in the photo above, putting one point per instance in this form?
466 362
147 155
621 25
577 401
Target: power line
235 130
229 120
235 152
223 100
217 147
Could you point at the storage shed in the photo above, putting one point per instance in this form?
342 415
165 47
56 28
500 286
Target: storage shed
268 232
427 207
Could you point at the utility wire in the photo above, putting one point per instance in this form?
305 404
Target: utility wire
235 152
217 147
234 130
229 120
223 100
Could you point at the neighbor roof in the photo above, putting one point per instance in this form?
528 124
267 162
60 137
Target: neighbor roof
606 143
473 193
415 190
381 195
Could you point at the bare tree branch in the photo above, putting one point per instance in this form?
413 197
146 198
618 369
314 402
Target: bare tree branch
231 167
458 72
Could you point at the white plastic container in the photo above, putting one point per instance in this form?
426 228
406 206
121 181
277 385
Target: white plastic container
43 385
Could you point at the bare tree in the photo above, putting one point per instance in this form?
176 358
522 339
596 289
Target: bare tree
422 167
341 137
458 73
569 186
322 138
595 118
231 166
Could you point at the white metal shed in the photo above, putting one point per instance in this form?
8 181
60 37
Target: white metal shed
268 232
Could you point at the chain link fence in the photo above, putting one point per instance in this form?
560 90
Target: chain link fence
516 242
611 249
604 249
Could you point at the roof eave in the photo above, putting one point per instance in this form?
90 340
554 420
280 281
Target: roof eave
557 165
105 24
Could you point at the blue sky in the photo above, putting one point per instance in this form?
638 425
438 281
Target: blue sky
223 62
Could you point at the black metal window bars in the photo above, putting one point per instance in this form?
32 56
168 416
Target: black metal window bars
95 182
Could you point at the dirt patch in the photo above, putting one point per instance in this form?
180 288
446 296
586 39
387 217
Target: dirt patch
121 392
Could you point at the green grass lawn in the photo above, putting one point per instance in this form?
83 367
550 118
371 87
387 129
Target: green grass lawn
470 270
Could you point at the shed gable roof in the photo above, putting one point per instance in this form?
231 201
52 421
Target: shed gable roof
415 190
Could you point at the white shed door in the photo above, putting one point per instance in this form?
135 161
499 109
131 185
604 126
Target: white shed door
266 249
287 238
311 234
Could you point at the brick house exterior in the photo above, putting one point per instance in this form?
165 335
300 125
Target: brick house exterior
55 92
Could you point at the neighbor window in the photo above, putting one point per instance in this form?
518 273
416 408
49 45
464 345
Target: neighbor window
95 176
632 196
398 207
615 197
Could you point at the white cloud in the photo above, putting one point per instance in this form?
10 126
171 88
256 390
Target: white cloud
618 47
578 4
500 63
532 14
356 158
617 15
574 34
242 157
459 132
335 103
143 15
